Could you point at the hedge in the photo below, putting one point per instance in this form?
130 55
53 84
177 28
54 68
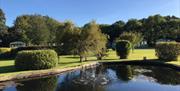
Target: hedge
16 50
168 51
5 52
36 59
123 48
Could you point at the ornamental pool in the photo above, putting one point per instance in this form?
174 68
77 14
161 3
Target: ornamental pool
104 78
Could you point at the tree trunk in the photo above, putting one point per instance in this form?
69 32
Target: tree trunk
58 59
81 58
99 57
85 58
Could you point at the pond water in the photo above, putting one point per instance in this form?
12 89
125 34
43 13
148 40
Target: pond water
105 78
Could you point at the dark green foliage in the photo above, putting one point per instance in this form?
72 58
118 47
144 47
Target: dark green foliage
152 28
168 51
123 48
43 30
3 28
133 24
2 20
67 37
36 29
36 59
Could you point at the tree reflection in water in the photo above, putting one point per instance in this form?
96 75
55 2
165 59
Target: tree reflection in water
44 84
124 72
93 79
106 78
163 75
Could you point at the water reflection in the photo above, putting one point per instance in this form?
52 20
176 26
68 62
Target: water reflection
88 80
124 72
45 84
106 78
163 76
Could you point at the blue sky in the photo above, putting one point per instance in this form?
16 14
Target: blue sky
83 11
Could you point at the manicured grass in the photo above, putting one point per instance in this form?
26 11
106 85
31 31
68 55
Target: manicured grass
6 66
137 54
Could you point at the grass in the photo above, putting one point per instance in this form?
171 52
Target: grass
7 66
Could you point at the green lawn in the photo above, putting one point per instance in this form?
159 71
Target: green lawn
6 66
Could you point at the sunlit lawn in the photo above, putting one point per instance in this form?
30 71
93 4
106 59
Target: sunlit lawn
70 60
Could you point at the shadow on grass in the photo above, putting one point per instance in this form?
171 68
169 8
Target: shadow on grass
71 57
110 59
69 62
6 59
7 69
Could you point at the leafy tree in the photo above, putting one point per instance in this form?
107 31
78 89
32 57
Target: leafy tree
133 37
152 28
67 37
116 29
3 28
91 40
170 29
52 26
133 25
36 29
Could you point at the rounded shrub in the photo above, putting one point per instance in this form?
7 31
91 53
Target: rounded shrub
16 50
5 52
123 48
168 51
36 59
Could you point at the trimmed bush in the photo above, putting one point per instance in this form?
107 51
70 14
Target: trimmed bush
16 50
123 48
36 59
5 52
168 51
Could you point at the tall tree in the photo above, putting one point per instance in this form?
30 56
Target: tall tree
91 40
117 28
52 26
3 28
67 37
152 28
133 37
36 29
133 25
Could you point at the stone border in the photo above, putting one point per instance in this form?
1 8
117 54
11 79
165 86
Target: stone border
43 73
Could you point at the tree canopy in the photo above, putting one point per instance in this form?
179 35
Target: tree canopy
36 29
42 30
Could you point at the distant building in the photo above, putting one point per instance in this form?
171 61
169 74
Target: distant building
164 40
17 44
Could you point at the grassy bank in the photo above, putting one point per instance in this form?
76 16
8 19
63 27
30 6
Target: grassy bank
7 66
